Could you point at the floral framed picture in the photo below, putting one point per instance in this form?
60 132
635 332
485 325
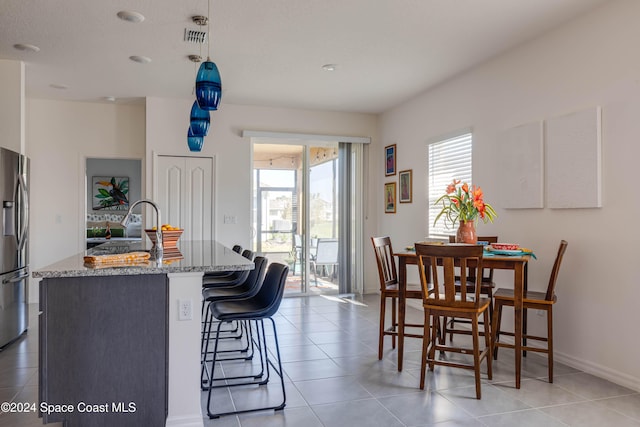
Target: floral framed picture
390 160
406 186
110 193
390 197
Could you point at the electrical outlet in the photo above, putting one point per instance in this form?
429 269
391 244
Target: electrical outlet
185 309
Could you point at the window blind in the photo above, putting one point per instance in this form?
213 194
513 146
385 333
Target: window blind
448 159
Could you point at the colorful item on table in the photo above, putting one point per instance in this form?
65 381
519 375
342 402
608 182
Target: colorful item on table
505 246
492 249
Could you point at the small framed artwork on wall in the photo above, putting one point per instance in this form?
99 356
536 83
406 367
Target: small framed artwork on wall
110 193
406 186
390 160
390 197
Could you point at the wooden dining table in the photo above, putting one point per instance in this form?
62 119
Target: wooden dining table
519 266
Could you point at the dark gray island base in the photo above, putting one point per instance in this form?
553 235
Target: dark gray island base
113 350
103 350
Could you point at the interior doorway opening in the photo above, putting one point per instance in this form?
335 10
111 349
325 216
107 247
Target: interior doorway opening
111 184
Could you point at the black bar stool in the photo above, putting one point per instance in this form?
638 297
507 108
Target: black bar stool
248 289
256 310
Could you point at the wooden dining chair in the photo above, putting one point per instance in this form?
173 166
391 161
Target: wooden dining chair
448 302
388 275
486 288
534 300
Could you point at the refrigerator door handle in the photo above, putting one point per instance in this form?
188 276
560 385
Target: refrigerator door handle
24 212
16 279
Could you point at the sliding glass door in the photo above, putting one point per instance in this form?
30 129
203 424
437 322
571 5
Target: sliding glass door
277 213
322 218
305 211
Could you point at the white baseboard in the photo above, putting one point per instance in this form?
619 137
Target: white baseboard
185 421
599 371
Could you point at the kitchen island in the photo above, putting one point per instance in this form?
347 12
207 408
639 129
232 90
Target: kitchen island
120 345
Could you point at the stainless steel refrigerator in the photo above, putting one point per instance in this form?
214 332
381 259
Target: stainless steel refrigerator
14 232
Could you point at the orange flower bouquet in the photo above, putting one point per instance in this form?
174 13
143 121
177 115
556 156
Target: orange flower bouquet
462 203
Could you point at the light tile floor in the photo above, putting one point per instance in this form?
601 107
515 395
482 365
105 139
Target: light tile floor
334 378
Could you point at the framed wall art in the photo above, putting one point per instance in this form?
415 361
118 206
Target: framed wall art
574 160
390 197
521 154
110 193
390 160
406 186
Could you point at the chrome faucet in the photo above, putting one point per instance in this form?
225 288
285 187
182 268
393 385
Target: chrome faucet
125 220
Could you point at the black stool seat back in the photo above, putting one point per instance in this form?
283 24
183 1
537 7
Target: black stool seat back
228 279
248 289
264 304
249 254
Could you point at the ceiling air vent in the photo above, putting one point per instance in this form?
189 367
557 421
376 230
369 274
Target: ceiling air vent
195 36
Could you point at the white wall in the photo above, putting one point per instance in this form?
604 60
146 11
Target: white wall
588 62
167 123
12 120
60 136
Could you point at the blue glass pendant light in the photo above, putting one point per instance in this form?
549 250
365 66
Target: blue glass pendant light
200 120
208 83
208 86
194 142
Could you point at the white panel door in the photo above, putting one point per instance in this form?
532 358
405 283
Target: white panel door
185 194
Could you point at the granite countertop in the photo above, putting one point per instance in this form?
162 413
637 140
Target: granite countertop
192 256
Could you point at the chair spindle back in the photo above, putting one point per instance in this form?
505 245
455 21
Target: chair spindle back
551 288
444 259
386 263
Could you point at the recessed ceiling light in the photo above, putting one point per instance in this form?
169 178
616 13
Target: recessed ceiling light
26 47
58 86
140 59
329 67
129 16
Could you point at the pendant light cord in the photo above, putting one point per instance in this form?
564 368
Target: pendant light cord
209 30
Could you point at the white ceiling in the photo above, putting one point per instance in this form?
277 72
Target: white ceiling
269 52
